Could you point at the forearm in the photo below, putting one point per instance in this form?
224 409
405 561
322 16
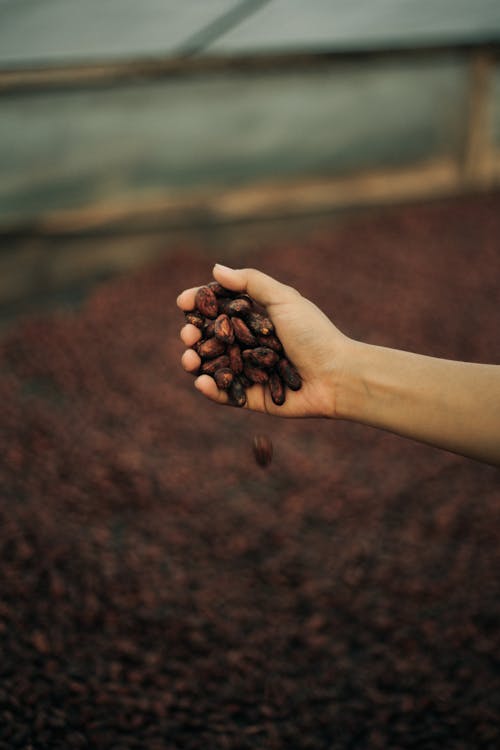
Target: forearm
448 404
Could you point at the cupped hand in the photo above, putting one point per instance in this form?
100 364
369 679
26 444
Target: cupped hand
311 341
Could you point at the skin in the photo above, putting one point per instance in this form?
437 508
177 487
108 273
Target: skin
447 404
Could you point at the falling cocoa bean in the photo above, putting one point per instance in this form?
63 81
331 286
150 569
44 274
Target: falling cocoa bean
262 450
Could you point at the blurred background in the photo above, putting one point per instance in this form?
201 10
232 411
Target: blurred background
125 125
158 588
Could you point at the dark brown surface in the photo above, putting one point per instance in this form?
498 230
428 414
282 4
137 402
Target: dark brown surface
159 590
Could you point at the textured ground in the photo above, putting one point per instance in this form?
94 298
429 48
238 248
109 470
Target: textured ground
160 590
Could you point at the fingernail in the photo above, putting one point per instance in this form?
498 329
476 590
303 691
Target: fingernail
223 268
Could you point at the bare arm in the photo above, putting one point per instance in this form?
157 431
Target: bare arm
448 404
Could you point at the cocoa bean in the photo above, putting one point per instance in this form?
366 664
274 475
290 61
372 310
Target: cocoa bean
210 348
237 395
277 389
271 341
246 383
261 356
289 374
223 329
211 366
234 353
239 306
206 302
255 374
209 329
242 332
259 324
222 304
195 318
223 378
262 450
219 290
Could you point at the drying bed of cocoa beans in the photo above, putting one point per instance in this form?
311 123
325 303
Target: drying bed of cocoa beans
158 589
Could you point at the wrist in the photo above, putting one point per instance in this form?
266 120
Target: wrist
350 381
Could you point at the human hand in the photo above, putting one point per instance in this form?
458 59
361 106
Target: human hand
315 346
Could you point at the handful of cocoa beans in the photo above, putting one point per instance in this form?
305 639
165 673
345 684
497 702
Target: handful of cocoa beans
239 346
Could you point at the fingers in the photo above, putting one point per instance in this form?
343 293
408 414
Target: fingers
206 385
185 300
190 334
190 360
258 285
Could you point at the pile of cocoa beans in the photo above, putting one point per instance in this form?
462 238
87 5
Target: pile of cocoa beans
239 346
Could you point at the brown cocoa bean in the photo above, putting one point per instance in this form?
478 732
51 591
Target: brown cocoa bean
206 302
239 306
223 329
277 389
237 395
261 356
289 374
223 378
246 383
234 353
219 290
255 374
195 318
262 450
210 348
271 341
209 329
259 324
242 332
211 366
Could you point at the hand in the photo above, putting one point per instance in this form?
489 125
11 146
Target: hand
314 345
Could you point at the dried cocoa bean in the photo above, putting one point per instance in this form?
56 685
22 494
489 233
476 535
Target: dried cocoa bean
255 374
210 348
234 353
261 356
206 302
246 383
195 318
289 374
271 341
209 329
262 450
259 324
277 389
211 366
242 332
223 378
219 290
239 306
237 395
223 329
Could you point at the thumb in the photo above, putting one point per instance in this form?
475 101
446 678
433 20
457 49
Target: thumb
263 288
